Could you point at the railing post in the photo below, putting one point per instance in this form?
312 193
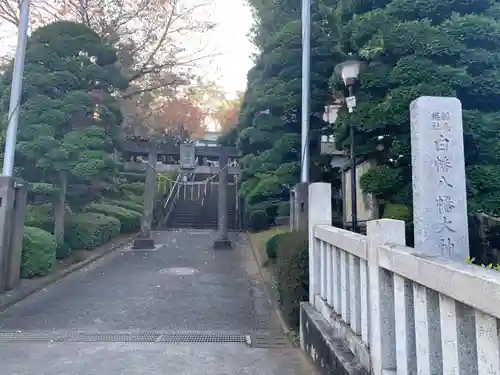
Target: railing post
319 212
381 295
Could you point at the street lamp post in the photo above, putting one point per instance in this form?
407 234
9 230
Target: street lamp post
349 71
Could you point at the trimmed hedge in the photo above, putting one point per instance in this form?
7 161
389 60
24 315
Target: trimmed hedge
132 177
130 220
292 274
284 209
259 220
90 230
139 199
40 216
129 205
39 252
272 245
136 188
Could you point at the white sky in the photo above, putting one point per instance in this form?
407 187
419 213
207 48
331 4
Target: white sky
229 39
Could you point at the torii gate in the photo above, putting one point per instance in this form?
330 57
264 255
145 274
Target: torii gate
188 155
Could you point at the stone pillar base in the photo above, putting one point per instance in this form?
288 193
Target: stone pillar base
223 245
142 243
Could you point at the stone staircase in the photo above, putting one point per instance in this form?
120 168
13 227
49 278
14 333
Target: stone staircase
194 210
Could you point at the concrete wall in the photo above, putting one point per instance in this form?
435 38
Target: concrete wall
325 348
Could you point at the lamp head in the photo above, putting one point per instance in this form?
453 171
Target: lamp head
349 71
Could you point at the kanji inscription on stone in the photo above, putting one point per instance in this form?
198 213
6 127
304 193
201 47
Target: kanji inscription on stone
438 176
187 156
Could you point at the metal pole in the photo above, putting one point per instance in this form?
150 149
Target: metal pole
306 70
354 200
15 93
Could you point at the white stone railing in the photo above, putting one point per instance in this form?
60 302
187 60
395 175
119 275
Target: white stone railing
399 310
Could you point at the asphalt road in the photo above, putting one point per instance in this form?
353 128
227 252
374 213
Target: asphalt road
181 309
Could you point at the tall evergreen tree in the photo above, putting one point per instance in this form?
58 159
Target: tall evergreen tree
414 48
269 123
69 117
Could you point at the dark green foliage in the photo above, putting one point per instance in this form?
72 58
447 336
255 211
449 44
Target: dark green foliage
138 199
269 121
63 250
41 192
284 209
415 48
69 118
40 216
292 274
39 252
129 205
259 220
130 220
272 245
397 212
135 188
90 230
132 177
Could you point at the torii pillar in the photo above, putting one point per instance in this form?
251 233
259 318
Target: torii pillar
222 241
144 240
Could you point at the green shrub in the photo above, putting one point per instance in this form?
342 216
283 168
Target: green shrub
90 230
292 274
272 245
397 212
129 205
136 188
259 220
139 199
63 250
40 216
132 177
130 220
284 209
41 192
39 252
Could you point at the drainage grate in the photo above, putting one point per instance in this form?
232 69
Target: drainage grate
120 337
224 338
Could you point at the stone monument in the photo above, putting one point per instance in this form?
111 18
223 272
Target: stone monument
438 176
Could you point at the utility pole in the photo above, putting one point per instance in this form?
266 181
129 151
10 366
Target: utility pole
306 71
16 90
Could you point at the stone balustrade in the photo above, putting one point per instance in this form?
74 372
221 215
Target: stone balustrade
397 310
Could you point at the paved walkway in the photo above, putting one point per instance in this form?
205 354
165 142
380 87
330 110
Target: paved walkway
181 309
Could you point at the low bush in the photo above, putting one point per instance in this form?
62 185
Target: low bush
139 199
292 273
272 245
90 230
130 220
284 209
39 252
136 188
259 220
397 212
63 250
132 177
129 205
39 216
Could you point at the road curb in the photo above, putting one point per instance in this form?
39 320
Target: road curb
7 301
284 326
